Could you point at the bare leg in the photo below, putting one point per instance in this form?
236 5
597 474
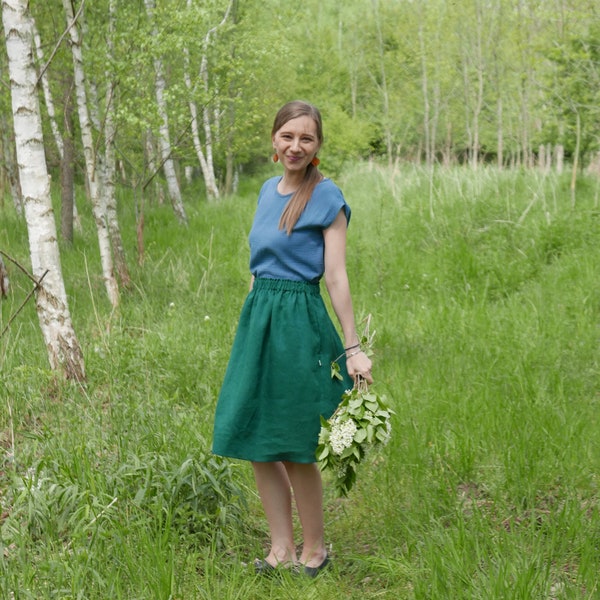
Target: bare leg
308 493
274 489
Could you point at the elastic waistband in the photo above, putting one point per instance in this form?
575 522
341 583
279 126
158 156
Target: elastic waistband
286 285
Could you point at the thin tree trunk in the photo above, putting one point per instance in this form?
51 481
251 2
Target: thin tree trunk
110 164
94 171
425 91
525 87
64 351
4 281
10 165
67 174
479 68
205 157
500 133
56 134
210 181
575 159
387 132
168 165
48 94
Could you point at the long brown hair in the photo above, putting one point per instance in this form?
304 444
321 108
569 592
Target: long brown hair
297 203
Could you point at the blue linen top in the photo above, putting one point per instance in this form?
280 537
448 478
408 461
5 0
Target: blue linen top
300 256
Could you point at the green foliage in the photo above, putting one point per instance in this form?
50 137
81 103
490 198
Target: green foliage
401 80
484 286
575 86
342 448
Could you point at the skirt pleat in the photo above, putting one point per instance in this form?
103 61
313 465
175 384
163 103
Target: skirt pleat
278 380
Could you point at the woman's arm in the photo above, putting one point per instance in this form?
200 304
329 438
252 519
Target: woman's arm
338 287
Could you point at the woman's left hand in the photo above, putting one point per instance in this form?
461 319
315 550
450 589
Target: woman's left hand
359 365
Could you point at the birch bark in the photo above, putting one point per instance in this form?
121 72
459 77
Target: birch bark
160 87
48 94
205 155
110 162
64 351
93 170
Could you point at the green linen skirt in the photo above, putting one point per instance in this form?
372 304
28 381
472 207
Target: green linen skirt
278 380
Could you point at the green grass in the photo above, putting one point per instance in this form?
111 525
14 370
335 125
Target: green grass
485 295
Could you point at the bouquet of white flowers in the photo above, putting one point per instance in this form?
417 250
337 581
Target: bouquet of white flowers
360 424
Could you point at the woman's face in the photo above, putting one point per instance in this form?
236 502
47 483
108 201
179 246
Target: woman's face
296 143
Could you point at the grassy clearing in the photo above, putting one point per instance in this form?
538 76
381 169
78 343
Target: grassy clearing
485 294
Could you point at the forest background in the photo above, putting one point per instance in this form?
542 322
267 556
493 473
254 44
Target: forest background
465 136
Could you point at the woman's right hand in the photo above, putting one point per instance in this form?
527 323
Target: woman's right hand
359 364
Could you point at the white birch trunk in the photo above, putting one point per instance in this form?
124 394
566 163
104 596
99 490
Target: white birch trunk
106 166
48 94
58 140
94 173
64 351
111 163
212 190
164 136
150 156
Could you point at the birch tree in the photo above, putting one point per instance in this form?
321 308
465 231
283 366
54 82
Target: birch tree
110 163
205 155
104 125
160 87
64 351
473 68
94 172
47 93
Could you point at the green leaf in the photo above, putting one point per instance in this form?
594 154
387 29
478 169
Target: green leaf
322 452
372 406
347 452
382 435
335 371
360 436
370 433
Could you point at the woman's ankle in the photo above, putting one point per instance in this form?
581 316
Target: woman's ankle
313 557
281 556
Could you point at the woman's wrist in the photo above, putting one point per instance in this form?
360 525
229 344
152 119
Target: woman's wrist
354 353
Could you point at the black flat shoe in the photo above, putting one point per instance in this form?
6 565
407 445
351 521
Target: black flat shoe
262 567
315 571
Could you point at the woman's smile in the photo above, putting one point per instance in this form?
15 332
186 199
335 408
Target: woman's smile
297 142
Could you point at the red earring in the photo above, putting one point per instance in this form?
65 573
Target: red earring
275 157
315 162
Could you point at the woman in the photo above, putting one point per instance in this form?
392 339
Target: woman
278 382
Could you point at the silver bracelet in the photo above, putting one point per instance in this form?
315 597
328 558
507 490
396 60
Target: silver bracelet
353 353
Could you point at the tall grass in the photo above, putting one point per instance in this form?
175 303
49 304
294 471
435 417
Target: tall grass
485 294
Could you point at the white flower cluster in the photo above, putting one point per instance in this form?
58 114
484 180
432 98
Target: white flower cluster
342 435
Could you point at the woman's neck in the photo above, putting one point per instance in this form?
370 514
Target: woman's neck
290 182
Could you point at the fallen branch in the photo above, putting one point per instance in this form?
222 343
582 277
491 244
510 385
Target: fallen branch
37 285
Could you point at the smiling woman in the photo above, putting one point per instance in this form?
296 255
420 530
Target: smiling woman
296 145
278 382
297 136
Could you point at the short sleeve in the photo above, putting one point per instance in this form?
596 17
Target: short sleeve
325 204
